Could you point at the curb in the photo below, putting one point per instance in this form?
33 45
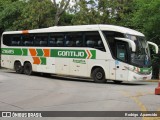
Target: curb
152 80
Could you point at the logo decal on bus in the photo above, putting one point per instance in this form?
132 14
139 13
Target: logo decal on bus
14 51
63 53
10 52
79 61
70 53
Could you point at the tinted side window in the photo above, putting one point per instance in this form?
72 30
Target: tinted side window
7 40
93 40
28 40
56 40
41 40
52 41
12 40
110 37
16 40
74 39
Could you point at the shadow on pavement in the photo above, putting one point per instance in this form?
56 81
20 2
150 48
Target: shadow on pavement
78 79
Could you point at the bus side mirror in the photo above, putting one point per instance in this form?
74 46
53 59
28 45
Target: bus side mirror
131 43
154 45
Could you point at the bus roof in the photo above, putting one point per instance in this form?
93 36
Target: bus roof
102 27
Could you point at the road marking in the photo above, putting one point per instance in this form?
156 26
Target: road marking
152 81
136 100
140 104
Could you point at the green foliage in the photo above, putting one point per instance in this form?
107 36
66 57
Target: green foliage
103 12
60 7
125 11
30 14
146 18
81 13
9 13
66 19
91 12
35 14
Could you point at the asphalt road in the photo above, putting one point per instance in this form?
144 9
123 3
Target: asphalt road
19 92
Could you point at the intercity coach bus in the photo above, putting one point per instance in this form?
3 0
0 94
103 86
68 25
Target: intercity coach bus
99 52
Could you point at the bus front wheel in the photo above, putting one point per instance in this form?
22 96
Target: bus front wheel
98 75
18 67
28 68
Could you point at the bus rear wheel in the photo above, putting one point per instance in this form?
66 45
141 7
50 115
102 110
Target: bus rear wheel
18 67
98 75
28 68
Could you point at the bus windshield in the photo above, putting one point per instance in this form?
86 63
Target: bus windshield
141 57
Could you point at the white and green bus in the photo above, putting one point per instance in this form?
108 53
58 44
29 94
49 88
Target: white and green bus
99 52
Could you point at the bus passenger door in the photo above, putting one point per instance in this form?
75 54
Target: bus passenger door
121 62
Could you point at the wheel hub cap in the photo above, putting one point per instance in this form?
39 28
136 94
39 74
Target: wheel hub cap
99 75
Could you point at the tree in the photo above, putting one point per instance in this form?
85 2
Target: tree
81 13
146 18
90 12
35 14
30 14
124 11
102 12
10 10
60 9
25 14
66 19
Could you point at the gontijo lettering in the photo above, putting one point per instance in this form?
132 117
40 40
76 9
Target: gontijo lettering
71 53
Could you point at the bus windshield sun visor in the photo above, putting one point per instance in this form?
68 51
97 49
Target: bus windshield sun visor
131 43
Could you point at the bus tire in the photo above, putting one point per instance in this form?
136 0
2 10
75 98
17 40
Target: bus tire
117 82
27 68
18 67
98 75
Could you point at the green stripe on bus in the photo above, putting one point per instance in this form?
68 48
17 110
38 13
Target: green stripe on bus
14 51
39 52
43 61
25 52
93 52
61 53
